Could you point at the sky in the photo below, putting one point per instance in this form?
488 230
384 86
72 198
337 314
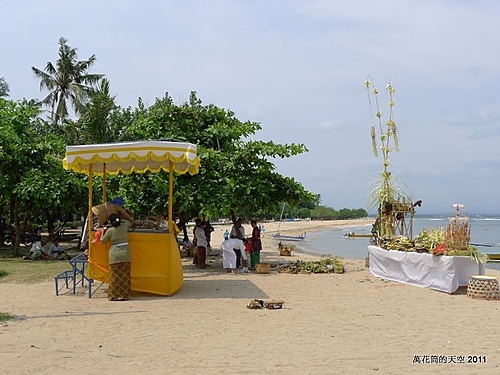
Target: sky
298 68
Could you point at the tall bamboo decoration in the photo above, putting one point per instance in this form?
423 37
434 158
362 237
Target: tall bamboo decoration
386 192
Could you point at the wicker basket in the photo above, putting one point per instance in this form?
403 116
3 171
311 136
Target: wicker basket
483 287
263 267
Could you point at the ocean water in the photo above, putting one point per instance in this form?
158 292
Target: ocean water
485 229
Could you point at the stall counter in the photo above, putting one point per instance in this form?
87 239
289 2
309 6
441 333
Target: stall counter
156 262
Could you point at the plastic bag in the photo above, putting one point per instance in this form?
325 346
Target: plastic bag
98 234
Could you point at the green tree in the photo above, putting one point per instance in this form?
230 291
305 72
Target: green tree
236 175
4 87
95 119
323 213
32 179
66 80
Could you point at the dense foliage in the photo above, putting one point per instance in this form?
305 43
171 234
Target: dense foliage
33 184
236 176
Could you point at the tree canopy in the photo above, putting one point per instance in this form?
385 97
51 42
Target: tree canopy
236 178
32 181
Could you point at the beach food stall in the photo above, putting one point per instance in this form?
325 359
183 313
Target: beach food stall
156 262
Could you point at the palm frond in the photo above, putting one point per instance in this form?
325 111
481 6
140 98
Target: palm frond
67 80
387 189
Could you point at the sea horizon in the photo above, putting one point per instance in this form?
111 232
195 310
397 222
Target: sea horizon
485 229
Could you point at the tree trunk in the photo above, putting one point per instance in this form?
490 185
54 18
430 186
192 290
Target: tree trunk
16 224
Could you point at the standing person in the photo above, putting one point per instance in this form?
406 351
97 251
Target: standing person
201 244
226 235
119 259
228 254
208 233
195 248
256 245
238 231
101 215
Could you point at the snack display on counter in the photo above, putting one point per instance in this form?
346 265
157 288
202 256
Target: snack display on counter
147 225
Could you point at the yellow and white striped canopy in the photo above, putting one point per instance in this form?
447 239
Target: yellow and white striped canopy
128 157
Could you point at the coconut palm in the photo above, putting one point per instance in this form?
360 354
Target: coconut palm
4 87
66 80
96 115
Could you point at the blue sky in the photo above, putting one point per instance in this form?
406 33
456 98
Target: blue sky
298 68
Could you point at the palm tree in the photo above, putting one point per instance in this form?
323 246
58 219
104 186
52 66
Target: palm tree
4 87
96 114
67 79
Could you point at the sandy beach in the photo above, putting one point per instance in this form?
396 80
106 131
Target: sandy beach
350 323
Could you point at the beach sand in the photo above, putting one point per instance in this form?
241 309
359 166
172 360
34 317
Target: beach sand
350 323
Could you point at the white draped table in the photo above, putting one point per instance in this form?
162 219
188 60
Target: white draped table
439 272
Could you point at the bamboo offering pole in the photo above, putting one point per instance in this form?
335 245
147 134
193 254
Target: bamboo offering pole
457 235
386 190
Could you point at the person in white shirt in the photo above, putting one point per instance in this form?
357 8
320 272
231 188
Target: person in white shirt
238 231
229 255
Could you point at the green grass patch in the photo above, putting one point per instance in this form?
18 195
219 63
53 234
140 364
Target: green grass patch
4 317
31 271
3 273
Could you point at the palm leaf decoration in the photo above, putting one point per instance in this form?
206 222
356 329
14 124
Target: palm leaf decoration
385 190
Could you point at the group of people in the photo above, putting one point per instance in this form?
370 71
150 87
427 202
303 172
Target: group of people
41 251
239 252
237 249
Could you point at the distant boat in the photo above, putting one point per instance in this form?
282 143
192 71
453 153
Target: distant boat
357 235
283 237
486 244
495 257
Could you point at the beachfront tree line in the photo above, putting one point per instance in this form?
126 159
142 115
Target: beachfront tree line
305 210
236 177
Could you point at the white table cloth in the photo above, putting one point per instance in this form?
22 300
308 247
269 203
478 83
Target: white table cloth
443 273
